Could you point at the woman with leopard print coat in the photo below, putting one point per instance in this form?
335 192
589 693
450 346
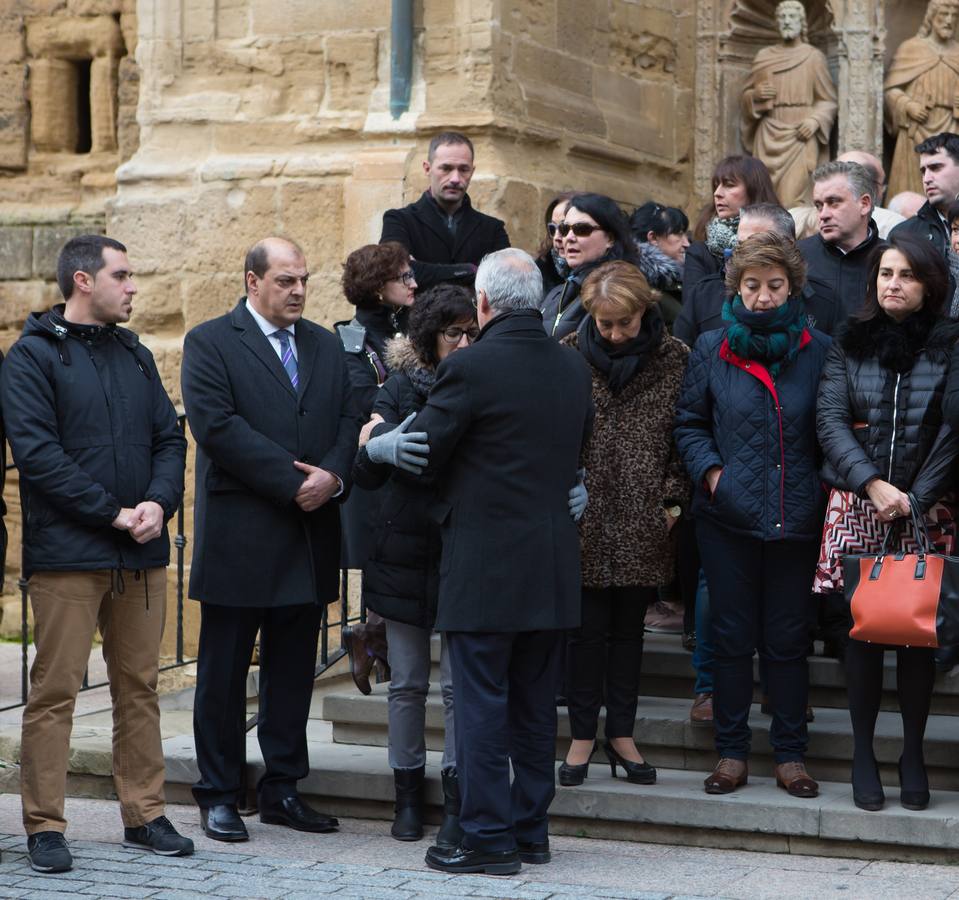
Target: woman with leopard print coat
637 490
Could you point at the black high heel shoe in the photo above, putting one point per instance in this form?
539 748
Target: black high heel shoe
872 800
637 773
913 799
570 776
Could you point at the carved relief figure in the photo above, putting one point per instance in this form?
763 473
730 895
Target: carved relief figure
922 91
789 106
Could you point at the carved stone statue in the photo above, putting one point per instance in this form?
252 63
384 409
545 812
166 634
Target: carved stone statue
922 91
789 106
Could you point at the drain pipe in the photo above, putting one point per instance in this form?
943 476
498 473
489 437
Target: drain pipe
401 57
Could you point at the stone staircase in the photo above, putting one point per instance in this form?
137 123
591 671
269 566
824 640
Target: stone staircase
676 809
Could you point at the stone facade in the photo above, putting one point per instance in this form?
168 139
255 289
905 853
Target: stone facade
190 128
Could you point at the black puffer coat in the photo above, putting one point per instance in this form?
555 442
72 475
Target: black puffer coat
879 412
401 576
762 433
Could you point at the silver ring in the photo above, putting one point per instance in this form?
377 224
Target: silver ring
893 514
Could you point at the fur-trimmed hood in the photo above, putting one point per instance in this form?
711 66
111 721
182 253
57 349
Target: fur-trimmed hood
898 344
662 272
400 355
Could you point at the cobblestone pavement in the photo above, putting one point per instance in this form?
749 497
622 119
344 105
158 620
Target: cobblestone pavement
362 861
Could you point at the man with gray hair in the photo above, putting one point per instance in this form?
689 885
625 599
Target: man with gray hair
844 194
505 421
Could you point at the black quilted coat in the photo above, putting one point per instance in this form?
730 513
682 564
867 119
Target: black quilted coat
401 575
763 435
879 413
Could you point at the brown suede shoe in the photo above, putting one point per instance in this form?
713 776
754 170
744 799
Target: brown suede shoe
793 778
701 712
728 775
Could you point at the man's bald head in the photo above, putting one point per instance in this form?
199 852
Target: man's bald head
275 277
870 163
258 256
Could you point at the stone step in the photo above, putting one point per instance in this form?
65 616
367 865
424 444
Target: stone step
667 738
668 672
357 781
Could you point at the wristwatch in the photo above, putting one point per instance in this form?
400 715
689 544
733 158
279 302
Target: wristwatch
674 511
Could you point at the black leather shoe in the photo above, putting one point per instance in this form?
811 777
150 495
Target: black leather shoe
223 823
462 860
294 813
570 775
636 773
534 852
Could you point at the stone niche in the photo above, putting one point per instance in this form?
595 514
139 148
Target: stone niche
730 33
73 83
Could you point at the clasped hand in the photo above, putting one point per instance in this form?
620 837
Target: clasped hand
318 487
143 522
404 450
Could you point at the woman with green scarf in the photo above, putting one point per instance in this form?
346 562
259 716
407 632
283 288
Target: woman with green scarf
746 431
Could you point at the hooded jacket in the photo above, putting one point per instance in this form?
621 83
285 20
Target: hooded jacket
92 430
879 411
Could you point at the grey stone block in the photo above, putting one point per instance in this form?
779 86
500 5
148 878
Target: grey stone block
119 890
365 892
385 879
16 252
60 882
48 240
183 884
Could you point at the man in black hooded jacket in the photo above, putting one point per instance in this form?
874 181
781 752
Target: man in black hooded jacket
95 439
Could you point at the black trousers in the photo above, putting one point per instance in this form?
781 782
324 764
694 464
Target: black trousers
604 657
758 597
288 639
504 701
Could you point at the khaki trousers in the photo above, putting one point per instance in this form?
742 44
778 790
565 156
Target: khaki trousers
67 608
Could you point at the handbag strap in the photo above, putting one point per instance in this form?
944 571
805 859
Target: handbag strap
919 526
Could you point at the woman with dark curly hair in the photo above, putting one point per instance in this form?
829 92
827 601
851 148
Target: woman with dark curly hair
379 282
401 577
594 231
746 430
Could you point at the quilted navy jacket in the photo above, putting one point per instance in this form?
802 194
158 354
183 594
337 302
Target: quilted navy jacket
761 432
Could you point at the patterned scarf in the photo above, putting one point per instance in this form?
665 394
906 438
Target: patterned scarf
771 338
721 235
422 380
560 264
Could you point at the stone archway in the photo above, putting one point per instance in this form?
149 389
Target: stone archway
730 32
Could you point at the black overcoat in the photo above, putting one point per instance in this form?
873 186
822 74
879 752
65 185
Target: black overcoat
438 255
506 420
253 546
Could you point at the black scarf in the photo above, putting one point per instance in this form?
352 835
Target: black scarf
621 364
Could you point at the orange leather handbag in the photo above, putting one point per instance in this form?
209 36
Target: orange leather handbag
904 599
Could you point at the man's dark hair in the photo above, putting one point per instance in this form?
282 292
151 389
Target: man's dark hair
927 264
83 253
432 311
945 140
605 212
449 137
258 257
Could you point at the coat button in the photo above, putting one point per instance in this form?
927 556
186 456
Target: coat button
778 465
302 412
779 525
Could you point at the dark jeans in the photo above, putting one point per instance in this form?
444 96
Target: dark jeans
606 651
504 695
758 596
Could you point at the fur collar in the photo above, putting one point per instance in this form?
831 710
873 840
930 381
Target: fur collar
400 355
662 272
898 344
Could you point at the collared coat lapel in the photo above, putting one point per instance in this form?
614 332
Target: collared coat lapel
306 354
259 345
431 219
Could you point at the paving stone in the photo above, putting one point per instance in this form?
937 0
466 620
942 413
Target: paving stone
423 875
352 868
119 890
238 886
529 891
183 884
59 882
162 870
48 895
385 879
432 888
238 868
176 895
371 893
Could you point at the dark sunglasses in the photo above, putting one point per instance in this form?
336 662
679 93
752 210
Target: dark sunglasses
551 229
453 334
580 229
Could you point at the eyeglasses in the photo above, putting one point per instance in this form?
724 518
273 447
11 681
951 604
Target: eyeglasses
407 277
580 229
551 229
454 334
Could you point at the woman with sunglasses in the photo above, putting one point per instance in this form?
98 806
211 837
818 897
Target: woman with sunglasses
378 281
594 230
401 577
637 488
662 237
738 181
550 260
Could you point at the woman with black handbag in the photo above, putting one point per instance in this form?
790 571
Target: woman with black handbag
880 425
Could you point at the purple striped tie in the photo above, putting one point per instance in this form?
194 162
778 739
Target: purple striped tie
286 355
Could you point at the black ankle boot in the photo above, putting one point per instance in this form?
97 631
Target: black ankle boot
408 823
450 833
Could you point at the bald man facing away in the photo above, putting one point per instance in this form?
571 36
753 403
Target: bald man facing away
268 400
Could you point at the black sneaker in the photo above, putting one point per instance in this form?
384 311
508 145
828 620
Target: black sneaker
160 837
48 852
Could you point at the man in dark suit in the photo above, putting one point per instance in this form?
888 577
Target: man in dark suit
268 400
505 424
445 236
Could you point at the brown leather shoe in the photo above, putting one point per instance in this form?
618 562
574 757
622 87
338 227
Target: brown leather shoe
701 712
361 662
793 778
728 775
